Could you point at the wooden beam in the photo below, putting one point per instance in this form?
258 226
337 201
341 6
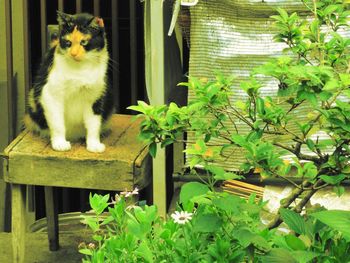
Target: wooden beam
97 7
78 6
18 222
133 52
43 27
155 48
21 47
61 5
6 112
115 55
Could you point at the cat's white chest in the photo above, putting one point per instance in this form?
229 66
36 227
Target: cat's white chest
74 88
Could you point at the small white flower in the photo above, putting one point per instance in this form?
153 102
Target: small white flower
135 191
117 198
181 217
127 193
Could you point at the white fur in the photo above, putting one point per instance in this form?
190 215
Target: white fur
67 98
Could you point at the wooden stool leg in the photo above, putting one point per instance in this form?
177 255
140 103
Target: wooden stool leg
52 218
18 222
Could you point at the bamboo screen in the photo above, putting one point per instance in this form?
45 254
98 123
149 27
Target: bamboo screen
233 37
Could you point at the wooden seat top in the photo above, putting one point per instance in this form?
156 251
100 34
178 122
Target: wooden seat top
31 160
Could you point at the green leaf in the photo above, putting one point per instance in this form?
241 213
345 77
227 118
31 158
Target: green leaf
283 13
345 79
304 256
239 139
325 95
330 9
98 202
310 144
207 223
310 170
278 255
192 189
85 251
336 219
228 203
331 85
339 190
294 243
334 179
145 252
153 149
294 221
245 237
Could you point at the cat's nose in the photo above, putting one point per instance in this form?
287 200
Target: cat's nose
74 53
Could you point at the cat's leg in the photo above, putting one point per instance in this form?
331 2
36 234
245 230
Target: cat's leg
54 114
93 123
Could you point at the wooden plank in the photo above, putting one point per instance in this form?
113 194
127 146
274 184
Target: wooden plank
61 5
93 174
122 128
6 105
78 6
97 7
115 55
52 218
21 53
18 223
155 34
43 30
33 162
133 51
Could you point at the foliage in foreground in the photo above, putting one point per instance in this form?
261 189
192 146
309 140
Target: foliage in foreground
214 227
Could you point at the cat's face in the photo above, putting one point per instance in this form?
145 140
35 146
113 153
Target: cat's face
81 36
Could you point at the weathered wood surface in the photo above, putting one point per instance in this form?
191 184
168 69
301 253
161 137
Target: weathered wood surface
52 218
123 165
18 222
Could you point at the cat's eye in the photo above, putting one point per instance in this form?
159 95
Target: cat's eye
84 42
67 43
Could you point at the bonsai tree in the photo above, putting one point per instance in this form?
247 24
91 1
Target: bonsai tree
314 74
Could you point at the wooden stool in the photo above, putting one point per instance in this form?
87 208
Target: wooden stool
31 161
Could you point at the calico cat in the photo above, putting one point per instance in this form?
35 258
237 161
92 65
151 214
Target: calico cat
70 98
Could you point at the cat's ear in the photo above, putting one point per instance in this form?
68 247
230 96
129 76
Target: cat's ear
97 22
63 18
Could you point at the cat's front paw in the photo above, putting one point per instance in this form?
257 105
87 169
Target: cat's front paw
95 147
60 144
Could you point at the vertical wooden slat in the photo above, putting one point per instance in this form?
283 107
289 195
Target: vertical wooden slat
6 113
115 55
18 223
79 7
133 51
61 5
52 218
154 30
21 47
97 7
43 23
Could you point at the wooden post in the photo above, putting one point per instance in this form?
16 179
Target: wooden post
52 218
155 42
18 222
133 52
21 47
6 102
